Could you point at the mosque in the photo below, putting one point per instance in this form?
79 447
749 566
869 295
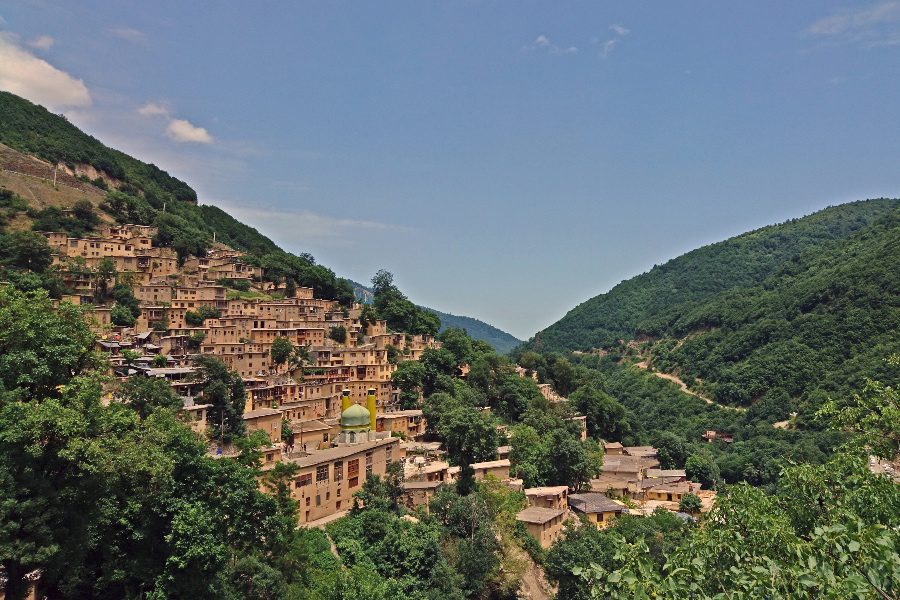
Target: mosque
327 479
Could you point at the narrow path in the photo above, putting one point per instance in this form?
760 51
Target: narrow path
684 388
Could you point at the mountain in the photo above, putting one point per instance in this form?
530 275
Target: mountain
32 129
34 142
501 341
645 303
794 311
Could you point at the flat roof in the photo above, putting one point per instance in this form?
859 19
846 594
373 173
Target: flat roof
421 485
338 452
400 413
309 426
553 490
261 412
539 515
491 464
594 502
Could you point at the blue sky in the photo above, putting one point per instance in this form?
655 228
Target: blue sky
504 160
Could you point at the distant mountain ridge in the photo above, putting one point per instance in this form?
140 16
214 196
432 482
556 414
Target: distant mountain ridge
502 341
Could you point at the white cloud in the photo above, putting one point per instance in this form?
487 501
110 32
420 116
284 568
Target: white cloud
151 109
24 74
42 42
608 45
543 44
184 131
180 130
129 34
875 25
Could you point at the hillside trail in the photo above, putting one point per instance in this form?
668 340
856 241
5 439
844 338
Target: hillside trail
684 388
534 583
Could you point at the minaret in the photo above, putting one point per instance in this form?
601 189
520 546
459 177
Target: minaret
345 400
370 404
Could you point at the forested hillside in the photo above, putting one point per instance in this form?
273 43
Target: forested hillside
501 341
31 128
815 328
783 317
645 304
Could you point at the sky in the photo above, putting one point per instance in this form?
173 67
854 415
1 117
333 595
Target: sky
505 161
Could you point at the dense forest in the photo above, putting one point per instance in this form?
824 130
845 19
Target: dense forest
779 319
647 303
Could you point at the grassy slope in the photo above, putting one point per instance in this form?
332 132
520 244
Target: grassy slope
32 129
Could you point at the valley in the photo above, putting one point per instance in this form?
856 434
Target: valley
189 411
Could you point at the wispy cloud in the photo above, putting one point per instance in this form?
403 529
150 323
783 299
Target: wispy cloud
152 109
289 226
129 34
180 130
874 25
31 77
543 44
609 44
42 42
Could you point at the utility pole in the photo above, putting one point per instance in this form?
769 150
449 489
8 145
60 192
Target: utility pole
55 169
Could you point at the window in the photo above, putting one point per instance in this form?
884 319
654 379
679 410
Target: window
321 473
354 481
369 458
353 467
338 470
303 480
318 500
269 456
308 499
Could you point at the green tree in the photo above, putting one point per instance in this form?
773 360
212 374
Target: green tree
105 273
469 436
41 347
690 503
144 394
121 316
872 416
702 468
338 334
606 418
409 379
282 348
224 390
25 250
299 359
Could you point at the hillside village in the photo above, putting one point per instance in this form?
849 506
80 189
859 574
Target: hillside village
328 406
